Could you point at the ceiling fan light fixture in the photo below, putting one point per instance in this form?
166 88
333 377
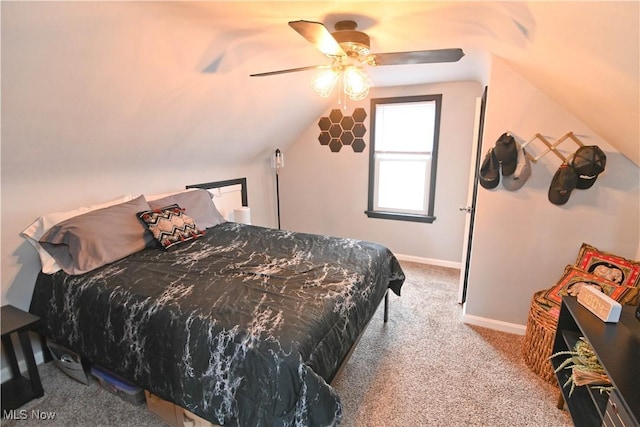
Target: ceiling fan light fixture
356 83
354 43
324 82
354 49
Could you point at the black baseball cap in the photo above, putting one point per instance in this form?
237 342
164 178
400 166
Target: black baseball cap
588 162
489 176
506 153
562 184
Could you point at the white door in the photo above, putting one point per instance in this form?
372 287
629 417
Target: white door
469 209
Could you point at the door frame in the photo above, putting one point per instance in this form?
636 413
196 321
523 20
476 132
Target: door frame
470 208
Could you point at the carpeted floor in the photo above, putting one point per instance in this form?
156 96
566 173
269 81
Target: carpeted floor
423 368
427 368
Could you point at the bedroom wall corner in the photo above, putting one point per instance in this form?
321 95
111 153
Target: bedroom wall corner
522 242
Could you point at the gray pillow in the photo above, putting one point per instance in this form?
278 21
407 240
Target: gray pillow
196 203
88 241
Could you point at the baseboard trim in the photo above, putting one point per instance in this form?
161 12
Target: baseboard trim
429 261
497 325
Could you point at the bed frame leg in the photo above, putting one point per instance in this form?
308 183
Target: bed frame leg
386 306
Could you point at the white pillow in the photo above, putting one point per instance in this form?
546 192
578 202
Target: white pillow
40 226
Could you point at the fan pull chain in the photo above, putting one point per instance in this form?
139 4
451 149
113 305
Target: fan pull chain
342 96
340 91
344 106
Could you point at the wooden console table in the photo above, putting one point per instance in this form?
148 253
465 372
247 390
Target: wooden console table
617 346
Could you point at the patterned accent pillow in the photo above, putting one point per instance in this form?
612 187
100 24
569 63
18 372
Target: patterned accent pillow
170 225
611 267
573 279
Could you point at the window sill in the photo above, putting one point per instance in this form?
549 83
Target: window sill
400 216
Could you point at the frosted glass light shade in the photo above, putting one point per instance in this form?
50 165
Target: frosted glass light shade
356 83
324 82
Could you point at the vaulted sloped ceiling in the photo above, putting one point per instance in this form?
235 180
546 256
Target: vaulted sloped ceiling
586 56
130 84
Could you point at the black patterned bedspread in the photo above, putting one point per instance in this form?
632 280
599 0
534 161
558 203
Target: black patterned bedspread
244 326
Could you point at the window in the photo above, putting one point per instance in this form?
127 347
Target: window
403 156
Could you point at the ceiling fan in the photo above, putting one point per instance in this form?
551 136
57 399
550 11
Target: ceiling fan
346 45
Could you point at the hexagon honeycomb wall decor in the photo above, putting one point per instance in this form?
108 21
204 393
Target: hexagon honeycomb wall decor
337 130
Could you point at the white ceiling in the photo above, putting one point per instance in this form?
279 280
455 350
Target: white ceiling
150 72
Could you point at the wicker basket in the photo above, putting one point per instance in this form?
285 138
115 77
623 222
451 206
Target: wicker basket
538 340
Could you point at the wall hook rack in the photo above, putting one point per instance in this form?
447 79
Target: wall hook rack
552 147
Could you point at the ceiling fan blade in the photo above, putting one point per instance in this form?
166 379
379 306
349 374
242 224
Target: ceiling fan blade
318 35
290 70
415 57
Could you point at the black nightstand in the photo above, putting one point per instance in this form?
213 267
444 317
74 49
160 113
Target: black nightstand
19 390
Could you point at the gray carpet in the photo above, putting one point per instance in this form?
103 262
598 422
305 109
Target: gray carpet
423 368
427 368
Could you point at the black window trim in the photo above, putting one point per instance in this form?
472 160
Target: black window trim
370 212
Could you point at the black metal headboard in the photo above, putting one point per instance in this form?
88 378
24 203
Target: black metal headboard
226 183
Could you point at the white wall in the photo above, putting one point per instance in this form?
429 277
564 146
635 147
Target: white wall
326 193
522 242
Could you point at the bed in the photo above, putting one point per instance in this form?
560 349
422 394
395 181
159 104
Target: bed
242 325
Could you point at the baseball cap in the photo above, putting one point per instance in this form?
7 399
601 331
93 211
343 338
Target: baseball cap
564 181
489 176
516 180
588 162
506 153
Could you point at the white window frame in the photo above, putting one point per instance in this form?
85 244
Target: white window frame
427 157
